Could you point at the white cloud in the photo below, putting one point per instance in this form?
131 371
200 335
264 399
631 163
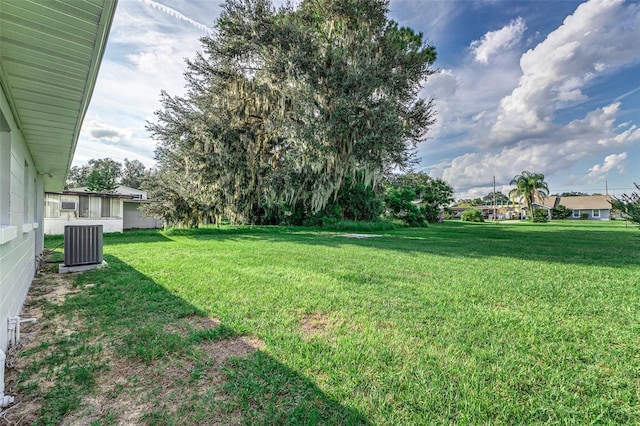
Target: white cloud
495 41
97 130
137 66
466 99
597 130
613 161
495 124
175 14
578 141
100 140
601 35
443 84
492 99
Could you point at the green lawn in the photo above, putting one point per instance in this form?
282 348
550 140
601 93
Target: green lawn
465 323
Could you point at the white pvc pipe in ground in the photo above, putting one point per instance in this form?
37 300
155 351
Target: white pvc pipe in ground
20 321
13 324
5 400
14 329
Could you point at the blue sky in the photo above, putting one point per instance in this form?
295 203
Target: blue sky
544 86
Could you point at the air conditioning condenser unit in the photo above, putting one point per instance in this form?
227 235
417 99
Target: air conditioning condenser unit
82 247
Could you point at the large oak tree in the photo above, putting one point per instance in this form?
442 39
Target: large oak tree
283 104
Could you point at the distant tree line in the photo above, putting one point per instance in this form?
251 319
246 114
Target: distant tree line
487 200
105 174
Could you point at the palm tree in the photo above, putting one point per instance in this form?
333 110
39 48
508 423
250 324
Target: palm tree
529 186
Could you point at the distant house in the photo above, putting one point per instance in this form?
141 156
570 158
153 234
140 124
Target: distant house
115 211
50 53
132 218
594 207
82 208
504 211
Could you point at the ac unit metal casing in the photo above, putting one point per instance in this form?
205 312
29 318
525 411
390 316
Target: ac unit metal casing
82 244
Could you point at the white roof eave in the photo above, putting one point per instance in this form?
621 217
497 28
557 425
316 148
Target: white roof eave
50 54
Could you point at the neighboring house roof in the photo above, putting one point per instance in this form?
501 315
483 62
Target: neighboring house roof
586 202
122 189
95 194
576 202
550 202
130 195
50 53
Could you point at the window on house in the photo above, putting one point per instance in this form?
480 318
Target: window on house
105 210
83 206
576 214
5 170
26 194
595 213
52 206
95 206
115 207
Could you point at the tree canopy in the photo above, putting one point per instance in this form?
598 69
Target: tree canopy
283 105
629 205
530 187
101 180
133 173
571 194
429 195
500 198
105 174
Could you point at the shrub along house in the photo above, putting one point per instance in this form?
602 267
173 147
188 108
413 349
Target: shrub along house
50 53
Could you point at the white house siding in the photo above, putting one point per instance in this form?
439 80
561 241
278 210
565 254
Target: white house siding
594 214
56 226
132 219
21 236
55 219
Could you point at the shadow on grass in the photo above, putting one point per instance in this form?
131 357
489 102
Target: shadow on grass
144 355
556 242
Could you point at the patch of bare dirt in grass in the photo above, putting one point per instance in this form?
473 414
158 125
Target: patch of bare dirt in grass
132 389
192 323
315 323
328 327
238 347
359 236
128 390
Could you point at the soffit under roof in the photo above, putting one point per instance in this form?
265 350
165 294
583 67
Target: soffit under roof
50 52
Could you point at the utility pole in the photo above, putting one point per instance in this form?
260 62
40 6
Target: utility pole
606 187
495 204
